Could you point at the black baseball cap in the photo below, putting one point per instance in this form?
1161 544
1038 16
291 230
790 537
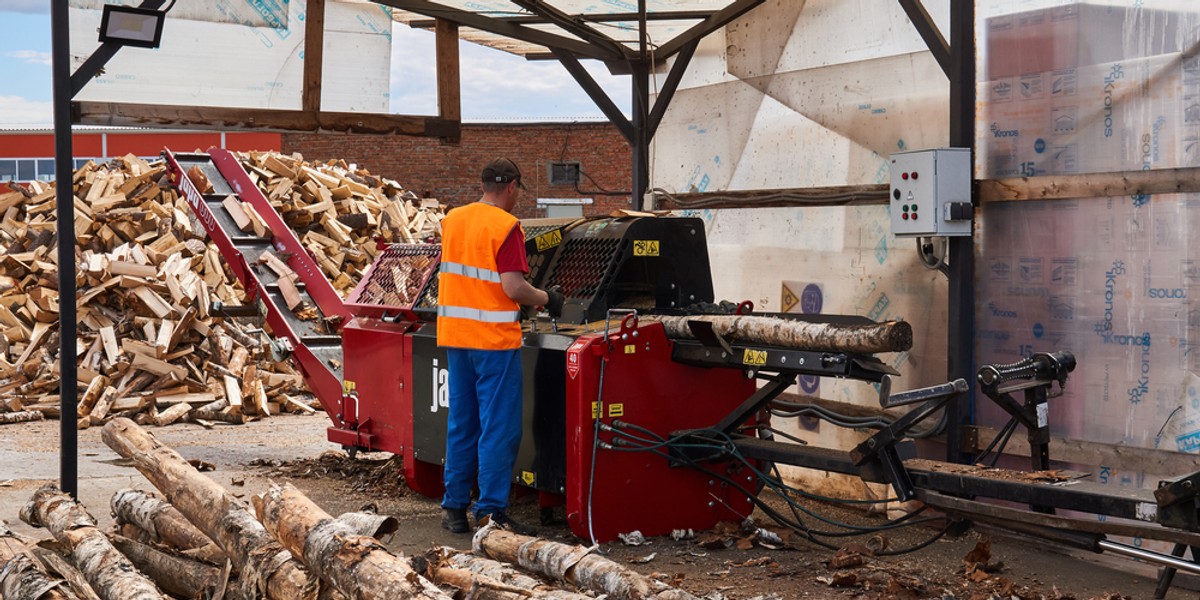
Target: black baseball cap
502 170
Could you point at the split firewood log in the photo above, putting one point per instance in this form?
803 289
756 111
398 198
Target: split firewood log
575 565
890 336
177 576
358 566
21 578
110 574
262 562
164 523
54 563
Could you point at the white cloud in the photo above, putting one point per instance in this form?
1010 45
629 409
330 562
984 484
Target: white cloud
16 111
31 56
25 6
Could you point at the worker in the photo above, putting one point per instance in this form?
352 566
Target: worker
481 286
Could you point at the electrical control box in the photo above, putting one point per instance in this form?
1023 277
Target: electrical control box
931 193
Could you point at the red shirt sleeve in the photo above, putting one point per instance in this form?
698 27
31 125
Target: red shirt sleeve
511 257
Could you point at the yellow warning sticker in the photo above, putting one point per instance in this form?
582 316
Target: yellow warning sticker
348 386
630 349
548 240
594 410
789 298
754 357
616 410
645 247
528 477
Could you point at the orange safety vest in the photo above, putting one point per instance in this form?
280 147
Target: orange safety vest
473 310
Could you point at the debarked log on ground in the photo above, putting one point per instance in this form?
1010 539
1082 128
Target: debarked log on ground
357 565
447 566
20 576
575 565
177 576
165 524
889 336
107 571
258 558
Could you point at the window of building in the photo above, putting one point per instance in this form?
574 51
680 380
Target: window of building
26 169
45 169
8 169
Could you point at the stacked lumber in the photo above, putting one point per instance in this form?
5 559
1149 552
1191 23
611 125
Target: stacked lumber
149 345
341 213
199 541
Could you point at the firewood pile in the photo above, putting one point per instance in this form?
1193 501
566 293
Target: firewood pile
151 347
197 540
342 213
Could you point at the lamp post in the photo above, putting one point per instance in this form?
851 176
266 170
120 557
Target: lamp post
120 26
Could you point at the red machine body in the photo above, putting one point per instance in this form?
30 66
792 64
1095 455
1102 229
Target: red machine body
643 386
379 373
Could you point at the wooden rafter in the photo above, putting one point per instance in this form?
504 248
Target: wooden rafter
208 118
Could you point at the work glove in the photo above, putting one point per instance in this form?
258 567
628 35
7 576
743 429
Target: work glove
554 302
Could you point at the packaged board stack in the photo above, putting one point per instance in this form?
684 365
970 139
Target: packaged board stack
1084 88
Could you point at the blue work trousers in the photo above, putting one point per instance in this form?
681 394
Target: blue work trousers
484 429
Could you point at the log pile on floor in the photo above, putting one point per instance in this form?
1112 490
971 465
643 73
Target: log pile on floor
197 540
341 213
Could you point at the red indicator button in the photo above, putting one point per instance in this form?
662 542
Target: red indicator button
904 176
904 216
914 175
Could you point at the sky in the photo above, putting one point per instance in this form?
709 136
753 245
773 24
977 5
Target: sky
495 85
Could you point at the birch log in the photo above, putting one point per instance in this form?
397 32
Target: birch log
20 577
357 565
164 523
260 559
370 524
177 576
21 416
575 565
493 570
109 573
889 336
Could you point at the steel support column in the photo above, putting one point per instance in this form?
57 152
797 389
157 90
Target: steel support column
961 293
640 107
64 168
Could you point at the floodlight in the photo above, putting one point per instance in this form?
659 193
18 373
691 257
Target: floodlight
131 26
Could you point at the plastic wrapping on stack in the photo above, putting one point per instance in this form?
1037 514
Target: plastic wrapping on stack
1085 88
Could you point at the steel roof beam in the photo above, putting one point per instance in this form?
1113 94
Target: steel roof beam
669 86
573 25
714 22
597 94
666 15
499 27
929 32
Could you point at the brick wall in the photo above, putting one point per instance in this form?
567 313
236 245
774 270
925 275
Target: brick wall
450 172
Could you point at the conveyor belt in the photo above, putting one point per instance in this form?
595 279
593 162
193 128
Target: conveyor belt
318 350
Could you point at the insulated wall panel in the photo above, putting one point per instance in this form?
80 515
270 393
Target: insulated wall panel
244 54
803 94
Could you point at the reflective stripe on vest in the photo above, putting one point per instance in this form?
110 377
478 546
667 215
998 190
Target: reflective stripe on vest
483 316
472 272
473 310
